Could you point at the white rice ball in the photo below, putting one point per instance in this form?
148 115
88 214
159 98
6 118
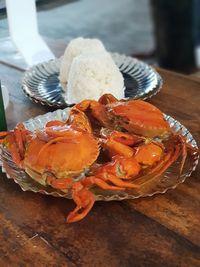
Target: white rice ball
75 48
91 76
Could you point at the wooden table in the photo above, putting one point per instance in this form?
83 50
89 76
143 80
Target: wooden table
162 230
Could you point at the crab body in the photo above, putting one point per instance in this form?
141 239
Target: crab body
138 117
56 156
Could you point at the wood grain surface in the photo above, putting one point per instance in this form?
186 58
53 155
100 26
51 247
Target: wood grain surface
162 230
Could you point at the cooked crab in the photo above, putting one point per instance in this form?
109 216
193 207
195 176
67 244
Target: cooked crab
134 116
134 135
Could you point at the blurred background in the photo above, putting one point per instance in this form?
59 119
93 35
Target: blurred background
160 32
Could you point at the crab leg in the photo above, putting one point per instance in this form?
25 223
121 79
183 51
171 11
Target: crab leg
116 148
184 151
167 161
91 180
20 134
84 200
55 123
119 182
61 183
14 150
126 139
16 140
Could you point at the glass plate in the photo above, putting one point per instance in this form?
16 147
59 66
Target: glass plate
41 84
168 180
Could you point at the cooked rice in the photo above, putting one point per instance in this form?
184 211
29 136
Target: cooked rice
92 75
75 48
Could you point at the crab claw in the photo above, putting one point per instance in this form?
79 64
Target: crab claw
14 150
95 110
21 135
15 141
84 200
118 143
116 148
148 154
116 171
78 120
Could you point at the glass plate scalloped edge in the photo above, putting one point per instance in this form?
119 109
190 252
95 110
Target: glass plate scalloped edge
168 180
34 78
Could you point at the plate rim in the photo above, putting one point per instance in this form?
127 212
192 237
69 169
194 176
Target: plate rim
114 196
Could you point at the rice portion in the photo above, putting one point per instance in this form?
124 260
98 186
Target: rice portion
91 76
75 48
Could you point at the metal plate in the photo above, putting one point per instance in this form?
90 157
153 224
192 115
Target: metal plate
168 180
41 84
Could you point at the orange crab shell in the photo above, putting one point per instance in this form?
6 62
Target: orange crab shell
138 117
63 159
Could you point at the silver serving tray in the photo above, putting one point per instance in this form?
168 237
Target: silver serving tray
168 180
41 84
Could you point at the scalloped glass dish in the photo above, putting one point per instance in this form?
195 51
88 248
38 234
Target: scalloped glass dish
168 180
41 84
